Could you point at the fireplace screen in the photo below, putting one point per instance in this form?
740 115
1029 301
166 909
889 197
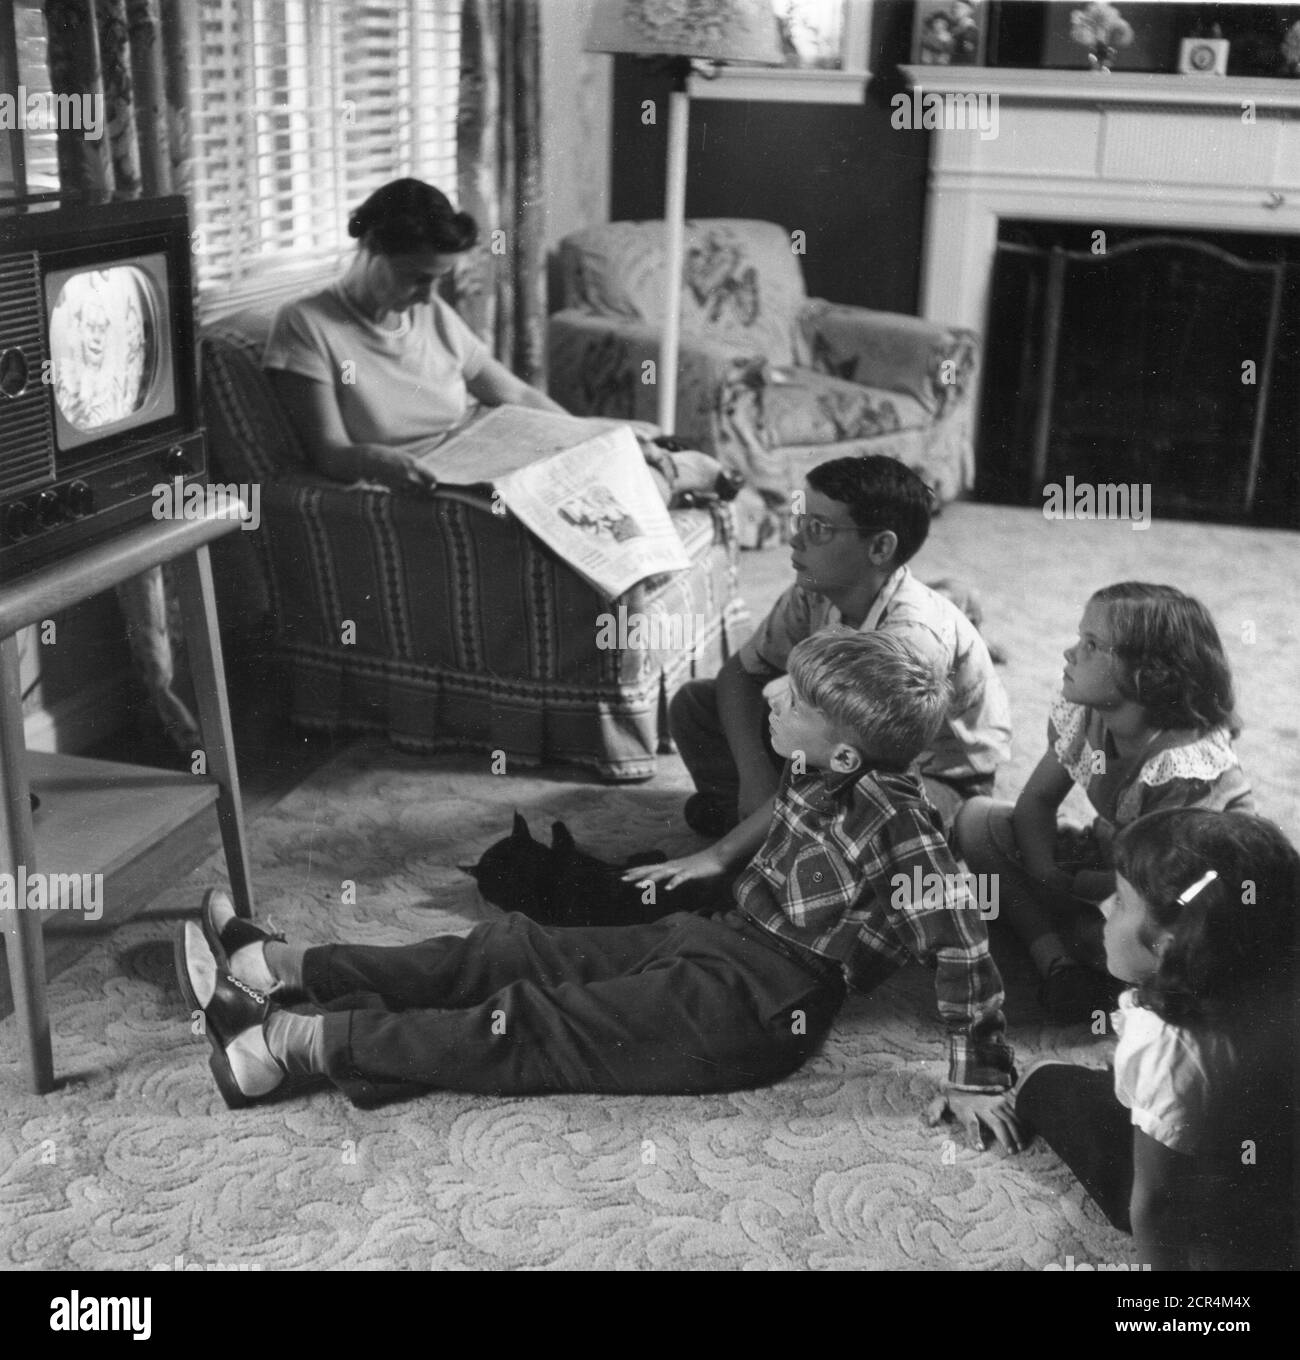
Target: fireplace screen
1159 359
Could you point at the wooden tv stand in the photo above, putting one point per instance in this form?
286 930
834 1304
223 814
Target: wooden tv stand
99 816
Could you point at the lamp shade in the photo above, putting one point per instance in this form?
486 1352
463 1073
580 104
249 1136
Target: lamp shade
707 30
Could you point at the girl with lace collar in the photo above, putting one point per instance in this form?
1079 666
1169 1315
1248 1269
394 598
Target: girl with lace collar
1144 721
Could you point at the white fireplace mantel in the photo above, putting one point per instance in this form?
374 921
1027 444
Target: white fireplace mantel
1115 87
1168 152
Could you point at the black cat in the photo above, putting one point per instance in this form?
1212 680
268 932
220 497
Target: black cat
559 885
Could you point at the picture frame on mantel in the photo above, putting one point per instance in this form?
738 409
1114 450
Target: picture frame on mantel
1203 57
1035 34
827 45
949 33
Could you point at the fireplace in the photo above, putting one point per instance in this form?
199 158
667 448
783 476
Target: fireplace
1120 355
1169 155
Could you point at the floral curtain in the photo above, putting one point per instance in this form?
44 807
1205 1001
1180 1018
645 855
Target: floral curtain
133 54
501 290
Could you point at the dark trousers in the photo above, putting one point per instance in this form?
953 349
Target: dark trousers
1075 1111
685 1004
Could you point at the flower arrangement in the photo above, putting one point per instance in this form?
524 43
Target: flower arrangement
1101 29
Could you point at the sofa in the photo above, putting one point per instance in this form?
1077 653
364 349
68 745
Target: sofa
770 381
443 625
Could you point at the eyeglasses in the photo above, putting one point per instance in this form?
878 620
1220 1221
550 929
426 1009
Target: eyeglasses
813 529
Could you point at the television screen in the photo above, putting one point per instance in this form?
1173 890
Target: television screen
109 330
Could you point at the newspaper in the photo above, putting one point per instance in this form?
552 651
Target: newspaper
581 485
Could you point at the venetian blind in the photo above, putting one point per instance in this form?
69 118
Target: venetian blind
301 108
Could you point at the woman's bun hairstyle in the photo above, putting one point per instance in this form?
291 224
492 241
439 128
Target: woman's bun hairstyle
407 216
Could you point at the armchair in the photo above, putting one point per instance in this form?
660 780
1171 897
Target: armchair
443 625
771 381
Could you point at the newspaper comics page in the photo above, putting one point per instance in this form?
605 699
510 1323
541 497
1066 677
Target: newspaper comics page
581 485
597 506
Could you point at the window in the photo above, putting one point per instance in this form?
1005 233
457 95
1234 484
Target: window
301 108
826 44
29 157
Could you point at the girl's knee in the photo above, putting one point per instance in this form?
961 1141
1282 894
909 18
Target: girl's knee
985 834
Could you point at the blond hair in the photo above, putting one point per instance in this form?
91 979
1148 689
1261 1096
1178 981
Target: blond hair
887 697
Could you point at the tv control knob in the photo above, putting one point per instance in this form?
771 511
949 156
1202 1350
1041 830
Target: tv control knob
175 463
79 499
48 510
20 520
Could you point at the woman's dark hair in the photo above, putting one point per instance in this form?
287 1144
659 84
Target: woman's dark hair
880 493
407 216
1176 666
1235 939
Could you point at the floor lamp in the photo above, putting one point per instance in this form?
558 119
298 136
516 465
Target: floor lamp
711 33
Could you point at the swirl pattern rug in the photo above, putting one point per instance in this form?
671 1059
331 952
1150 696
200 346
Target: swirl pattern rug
135 1161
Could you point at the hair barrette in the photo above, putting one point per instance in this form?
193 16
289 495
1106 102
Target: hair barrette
1201 883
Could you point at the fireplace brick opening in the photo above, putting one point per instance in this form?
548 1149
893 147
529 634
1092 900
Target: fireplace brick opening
1129 355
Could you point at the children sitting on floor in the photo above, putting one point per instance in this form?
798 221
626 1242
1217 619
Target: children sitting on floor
1190 1143
861 521
688 1003
1145 720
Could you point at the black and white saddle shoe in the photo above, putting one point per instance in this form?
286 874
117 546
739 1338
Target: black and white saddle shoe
234 1022
225 931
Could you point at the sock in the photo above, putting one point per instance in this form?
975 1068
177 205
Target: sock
297 1042
250 965
283 962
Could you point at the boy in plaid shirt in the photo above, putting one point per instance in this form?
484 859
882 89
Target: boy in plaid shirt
685 1004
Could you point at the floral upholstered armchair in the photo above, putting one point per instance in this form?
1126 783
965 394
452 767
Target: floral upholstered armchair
770 381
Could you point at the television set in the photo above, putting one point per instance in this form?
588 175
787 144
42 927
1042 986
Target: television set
98 390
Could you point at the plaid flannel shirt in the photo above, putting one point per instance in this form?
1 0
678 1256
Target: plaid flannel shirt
855 869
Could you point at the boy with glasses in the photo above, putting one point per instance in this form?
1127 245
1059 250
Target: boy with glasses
859 522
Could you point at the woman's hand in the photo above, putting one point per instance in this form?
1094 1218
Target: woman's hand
394 467
976 1113
705 863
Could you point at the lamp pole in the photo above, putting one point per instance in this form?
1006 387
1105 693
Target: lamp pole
679 118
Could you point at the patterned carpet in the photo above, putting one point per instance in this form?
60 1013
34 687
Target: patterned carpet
135 1161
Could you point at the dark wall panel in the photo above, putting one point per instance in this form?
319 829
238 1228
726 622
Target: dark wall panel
840 173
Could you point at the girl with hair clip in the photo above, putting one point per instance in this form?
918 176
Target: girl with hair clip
376 368
1145 720
1190 1142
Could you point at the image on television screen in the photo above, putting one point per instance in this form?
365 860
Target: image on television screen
104 341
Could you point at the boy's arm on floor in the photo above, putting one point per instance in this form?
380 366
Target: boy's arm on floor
737 847
742 842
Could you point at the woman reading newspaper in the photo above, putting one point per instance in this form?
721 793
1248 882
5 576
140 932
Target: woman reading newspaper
375 368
